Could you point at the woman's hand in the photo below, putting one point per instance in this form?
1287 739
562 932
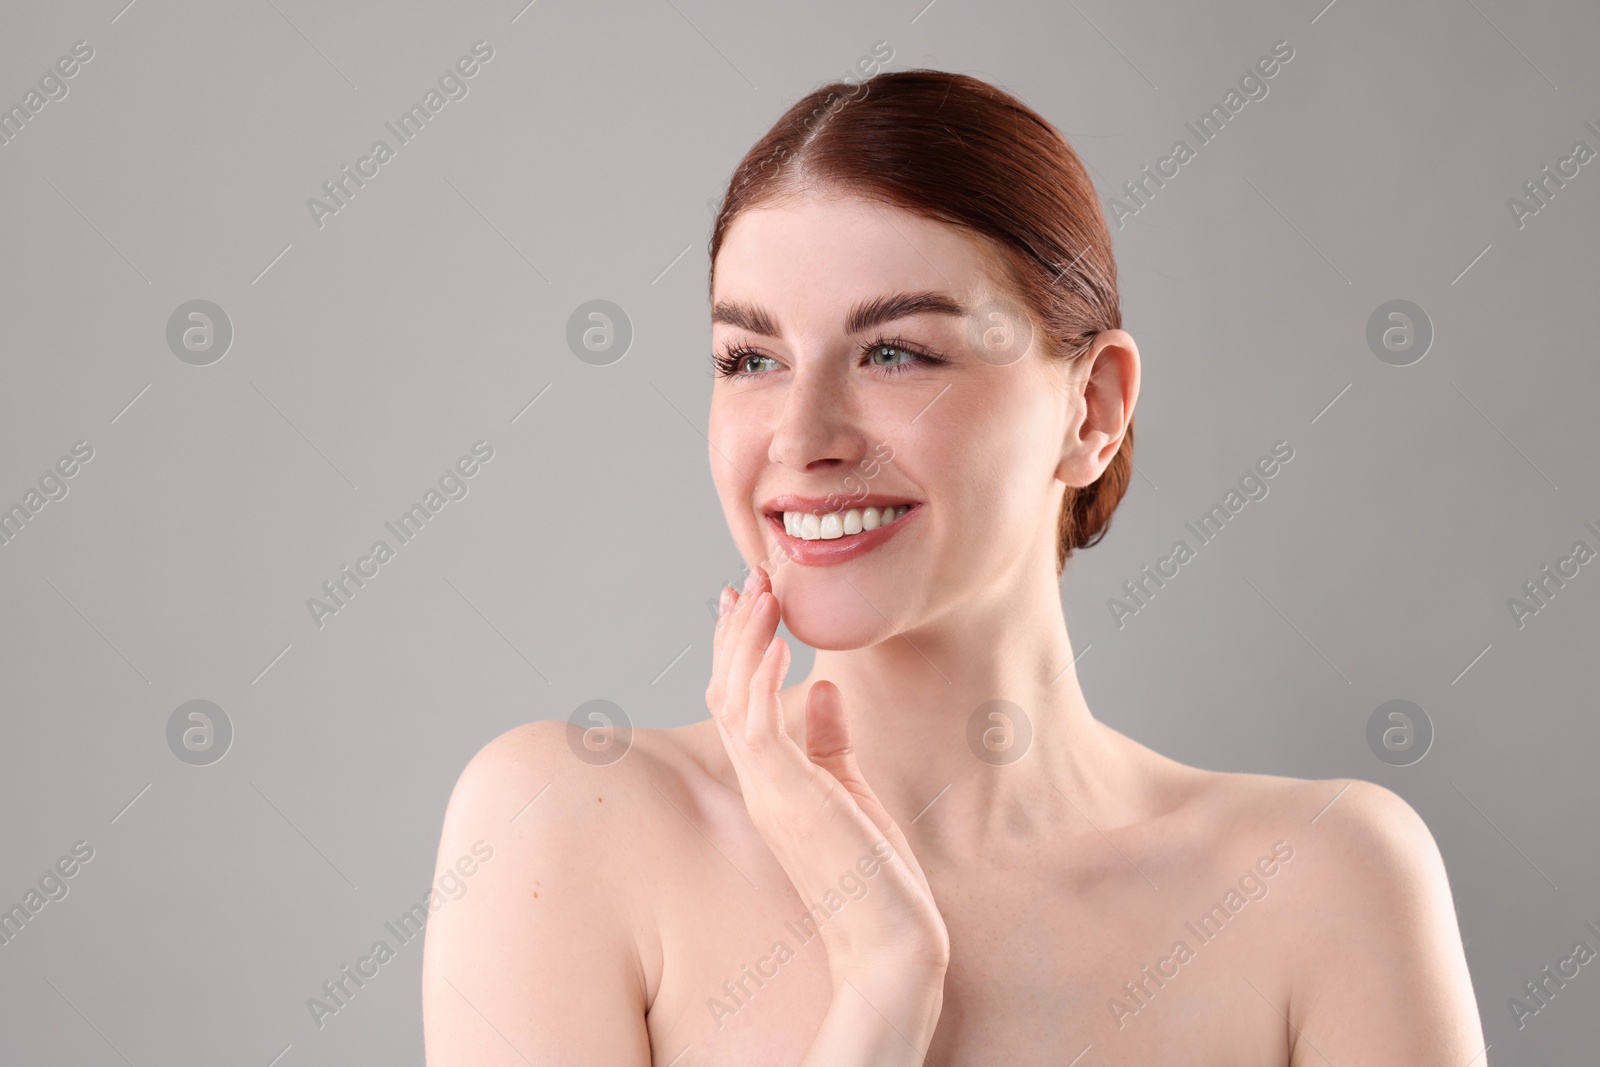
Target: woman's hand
820 818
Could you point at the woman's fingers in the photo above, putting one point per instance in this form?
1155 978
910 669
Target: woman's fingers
811 805
737 652
763 711
733 609
719 641
764 714
723 603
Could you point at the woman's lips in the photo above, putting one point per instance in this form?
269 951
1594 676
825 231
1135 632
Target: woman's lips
826 552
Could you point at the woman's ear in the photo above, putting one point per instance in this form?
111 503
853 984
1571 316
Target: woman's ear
1104 390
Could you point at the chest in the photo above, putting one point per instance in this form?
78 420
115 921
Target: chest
1049 961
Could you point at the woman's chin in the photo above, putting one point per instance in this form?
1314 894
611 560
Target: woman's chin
833 627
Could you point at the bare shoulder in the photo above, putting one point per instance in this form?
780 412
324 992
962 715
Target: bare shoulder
1373 872
1365 920
1351 830
610 806
1354 838
546 926
600 785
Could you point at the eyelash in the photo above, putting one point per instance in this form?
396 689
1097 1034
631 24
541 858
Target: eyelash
728 361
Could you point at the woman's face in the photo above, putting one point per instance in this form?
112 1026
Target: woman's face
846 414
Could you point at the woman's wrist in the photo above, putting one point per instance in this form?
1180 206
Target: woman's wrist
914 998
879 1018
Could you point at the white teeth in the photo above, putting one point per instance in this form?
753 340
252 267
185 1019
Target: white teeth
836 524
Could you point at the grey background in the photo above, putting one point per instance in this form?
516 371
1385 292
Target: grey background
369 354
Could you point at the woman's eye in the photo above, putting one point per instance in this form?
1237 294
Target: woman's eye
887 356
748 361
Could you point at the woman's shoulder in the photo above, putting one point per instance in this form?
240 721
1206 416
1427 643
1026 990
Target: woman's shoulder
598 796
1344 816
1363 861
576 765
1350 827
586 826
1356 906
1352 838
595 823
1249 802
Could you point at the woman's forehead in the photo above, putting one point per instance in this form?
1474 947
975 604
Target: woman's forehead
818 261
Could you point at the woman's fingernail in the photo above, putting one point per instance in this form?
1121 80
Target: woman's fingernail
750 582
722 605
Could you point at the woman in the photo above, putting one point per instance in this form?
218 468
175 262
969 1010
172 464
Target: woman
929 849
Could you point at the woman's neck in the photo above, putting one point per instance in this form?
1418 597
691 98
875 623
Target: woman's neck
976 724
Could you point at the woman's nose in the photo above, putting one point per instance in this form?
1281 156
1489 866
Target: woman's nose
817 426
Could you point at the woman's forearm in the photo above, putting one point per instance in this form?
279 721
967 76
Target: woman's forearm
878 1021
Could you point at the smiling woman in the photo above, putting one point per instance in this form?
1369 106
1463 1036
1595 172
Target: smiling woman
922 407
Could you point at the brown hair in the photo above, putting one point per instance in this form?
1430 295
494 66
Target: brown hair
961 151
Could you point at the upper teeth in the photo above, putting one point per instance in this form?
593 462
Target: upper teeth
809 527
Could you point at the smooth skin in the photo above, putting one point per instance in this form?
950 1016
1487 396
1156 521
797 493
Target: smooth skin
654 909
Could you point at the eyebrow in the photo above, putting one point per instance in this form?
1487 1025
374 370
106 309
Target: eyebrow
863 316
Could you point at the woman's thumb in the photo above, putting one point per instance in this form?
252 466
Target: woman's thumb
828 732
829 746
